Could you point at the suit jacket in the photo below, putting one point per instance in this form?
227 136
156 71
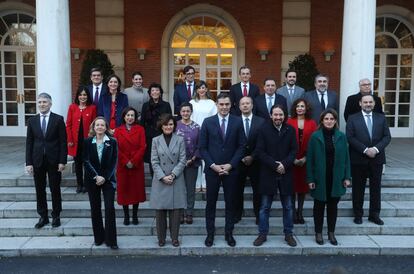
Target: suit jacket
106 167
181 96
53 145
103 91
273 146
251 141
236 93
298 92
260 105
73 120
352 105
359 140
105 105
215 149
167 159
315 103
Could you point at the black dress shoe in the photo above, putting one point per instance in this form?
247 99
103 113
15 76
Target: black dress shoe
99 243
56 222
42 222
230 240
79 189
114 247
209 240
376 220
358 220
318 238
84 190
332 239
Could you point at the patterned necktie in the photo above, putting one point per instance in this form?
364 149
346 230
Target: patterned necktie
269 103
189 91
369 125
96 98
323 101
247 125
244 90
223 127
44 125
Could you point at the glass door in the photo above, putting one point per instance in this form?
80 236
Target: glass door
18 90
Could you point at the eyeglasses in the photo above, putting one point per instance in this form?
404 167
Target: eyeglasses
365 85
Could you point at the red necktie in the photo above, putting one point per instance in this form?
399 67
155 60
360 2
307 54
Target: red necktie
189 91
245 90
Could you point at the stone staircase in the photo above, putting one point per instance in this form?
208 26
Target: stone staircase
74 237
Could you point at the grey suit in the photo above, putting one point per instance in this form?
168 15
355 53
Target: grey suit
298 92
171 199
313 99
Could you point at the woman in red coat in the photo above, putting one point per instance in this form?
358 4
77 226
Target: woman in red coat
80 116
304 126
130 170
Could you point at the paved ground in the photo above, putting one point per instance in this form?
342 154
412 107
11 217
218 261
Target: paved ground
200 265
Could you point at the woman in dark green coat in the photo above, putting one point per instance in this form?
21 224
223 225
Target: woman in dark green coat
327 172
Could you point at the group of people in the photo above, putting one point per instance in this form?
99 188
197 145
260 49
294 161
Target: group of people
286 141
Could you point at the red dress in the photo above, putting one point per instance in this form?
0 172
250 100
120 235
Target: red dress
112 122
299 173
130 181
73 124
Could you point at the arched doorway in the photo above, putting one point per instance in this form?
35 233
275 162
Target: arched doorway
207 44
394 72
17 72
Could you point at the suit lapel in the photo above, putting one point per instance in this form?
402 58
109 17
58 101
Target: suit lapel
49 124
164 146
364 125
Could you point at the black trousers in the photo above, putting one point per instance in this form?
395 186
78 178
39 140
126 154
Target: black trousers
229 187
360 173
55 177
253 173
331 210
101 234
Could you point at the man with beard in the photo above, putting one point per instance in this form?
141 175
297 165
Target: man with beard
368 135
321 98
290 90
276 149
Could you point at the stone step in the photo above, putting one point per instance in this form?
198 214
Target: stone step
388 180
146 227
76 209
194 245
69 194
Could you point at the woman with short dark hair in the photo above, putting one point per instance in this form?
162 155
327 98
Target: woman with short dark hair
168 191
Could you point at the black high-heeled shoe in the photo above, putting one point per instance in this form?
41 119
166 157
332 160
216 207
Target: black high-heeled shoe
332 239
318 238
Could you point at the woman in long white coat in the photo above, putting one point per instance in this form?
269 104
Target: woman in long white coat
203 107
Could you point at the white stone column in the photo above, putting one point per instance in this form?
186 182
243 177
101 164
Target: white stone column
53 52
358 48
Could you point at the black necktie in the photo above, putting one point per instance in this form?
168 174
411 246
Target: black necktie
323 102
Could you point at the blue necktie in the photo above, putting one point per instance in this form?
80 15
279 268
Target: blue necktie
223 127
246 122
269 103
369 125
44 125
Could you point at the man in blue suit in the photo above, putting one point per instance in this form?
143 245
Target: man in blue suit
368 135
185 91
221 144
97 89
263 103
242 89
290 90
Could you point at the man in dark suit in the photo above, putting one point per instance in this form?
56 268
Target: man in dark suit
46 153
321 98
184 92
249 166
264 102
352 102
242 89
276 148
221 144
97 89
290 90
368 135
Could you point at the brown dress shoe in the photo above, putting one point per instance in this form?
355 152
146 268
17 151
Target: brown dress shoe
290 240
260 240
175 243
161 243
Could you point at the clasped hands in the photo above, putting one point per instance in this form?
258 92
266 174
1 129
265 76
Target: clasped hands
169 179
99 180
371 152
222 169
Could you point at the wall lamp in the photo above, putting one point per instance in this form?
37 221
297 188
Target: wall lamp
328 54
76 53
141 53
263 54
